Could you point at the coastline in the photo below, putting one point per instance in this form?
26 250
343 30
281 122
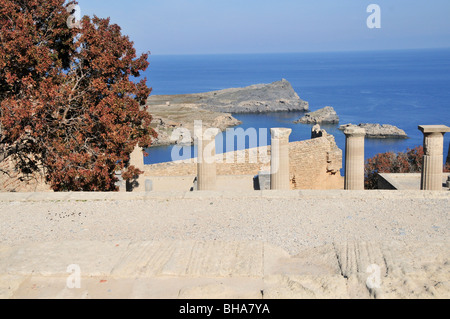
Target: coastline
361 86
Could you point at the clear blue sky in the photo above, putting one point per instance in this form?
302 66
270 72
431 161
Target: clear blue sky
272 26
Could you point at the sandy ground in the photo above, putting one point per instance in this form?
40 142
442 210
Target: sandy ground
288 223
318 246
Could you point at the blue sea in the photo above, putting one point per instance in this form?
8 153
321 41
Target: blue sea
402 88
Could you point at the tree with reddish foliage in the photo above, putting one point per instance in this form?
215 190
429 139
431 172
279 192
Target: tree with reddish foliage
409 162
68 106
447 162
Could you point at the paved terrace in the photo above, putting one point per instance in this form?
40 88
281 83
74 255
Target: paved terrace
258 244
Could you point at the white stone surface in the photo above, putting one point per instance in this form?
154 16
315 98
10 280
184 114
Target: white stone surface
270 244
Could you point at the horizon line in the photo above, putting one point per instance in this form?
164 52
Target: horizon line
301 52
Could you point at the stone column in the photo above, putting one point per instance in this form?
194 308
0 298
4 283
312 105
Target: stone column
354 158
206 158
121 184
433 159
137 158
279 159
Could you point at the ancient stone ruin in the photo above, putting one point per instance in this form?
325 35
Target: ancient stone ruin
308 164
433 148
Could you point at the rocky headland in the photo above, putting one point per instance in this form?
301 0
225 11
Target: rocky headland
273 97
215 108
379 131
326 115
168 118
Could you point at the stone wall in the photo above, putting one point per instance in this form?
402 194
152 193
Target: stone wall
314 164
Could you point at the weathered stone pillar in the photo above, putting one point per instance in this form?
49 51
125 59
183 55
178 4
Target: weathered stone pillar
433 159
137 158
279 159
121 184
354 158
206 158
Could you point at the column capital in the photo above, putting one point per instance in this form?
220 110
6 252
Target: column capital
355 131
434 129
280 132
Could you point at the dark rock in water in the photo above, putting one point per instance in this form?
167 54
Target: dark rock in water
379 131
325 115
274 97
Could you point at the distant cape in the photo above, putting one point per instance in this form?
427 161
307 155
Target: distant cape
273 97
